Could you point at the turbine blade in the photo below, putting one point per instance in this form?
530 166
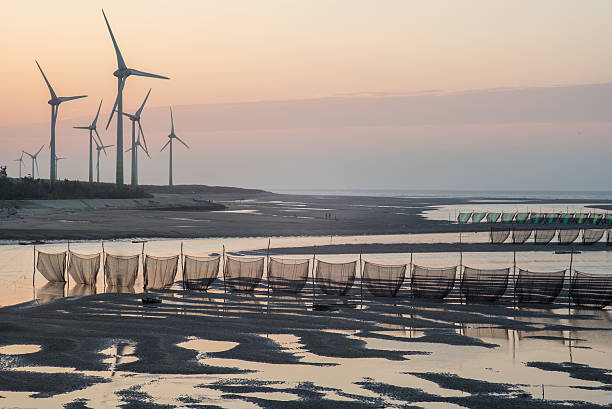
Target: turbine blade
144 149
171 121
80 127
165 145
38 151
120 62
121 85
181 141
141 132
98 135
37 171
129 149
47 81
95 121
146 74
29 154
64 99
137 114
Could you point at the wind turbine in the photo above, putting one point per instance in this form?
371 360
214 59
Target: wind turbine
170 138
135 143
34 160
92 128
55 101
20 160
122 73
57 159
99 147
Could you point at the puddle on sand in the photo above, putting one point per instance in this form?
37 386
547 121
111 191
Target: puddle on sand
19 349
207 346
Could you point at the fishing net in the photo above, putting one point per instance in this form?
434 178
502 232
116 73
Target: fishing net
591 290
464 217
159 272
581 218
121 271
551 218
243 274
478 216
484 285
432 282
52 266
538 287
568 236
536 218
499 236
522 217
566 218
288 276
542 236
592 236
83 268
520 236
383 280
507 217
596 218
493 217
200 272
335 278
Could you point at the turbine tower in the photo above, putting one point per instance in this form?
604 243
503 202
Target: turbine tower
122 73
55 101
135 143
92 128
170 138
99 147
20 160
34 160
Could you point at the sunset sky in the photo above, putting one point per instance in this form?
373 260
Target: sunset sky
237 56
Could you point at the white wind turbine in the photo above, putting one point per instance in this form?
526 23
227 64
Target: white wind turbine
34 160
170 138
92 128
122 73
57 159
136 142
99 147
20 160
55 101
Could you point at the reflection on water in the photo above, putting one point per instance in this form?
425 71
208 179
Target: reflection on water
19 349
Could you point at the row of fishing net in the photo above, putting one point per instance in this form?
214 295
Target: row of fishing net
383 280
484 285
464 217
243 274
159 272
289 276
568 236
538 287
335 278
52 266
434 283
591 290
493 217
200 272
121 271
542 236
478 216
592 236
520 236
83 268
499 236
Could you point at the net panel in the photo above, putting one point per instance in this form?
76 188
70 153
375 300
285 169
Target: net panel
243 274
566 218
551 218
159 272
544 236
121 271
499 236
581 218
537 218
568 236
383 280
520 236
335 278
597 218
538 287
464 217
478 216
507 217
434 283
83 268
493 217
286 275
522 217
200 272
592 236
591 290
52 266
484 285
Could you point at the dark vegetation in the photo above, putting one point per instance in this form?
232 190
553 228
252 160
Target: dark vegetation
29 188
186 189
